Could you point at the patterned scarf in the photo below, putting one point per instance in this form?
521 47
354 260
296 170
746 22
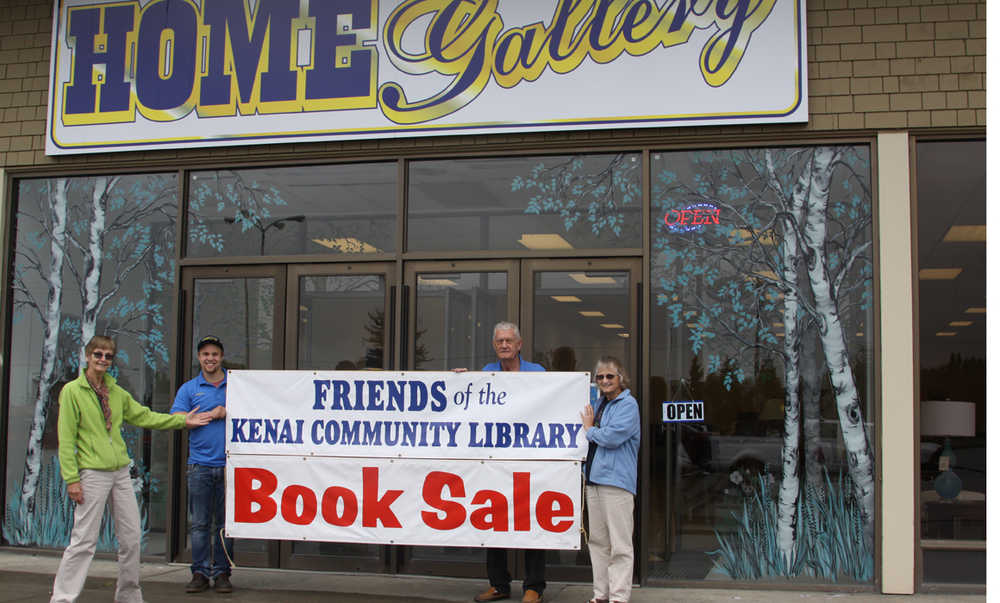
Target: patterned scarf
102 394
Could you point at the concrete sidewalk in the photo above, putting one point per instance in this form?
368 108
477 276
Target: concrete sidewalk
28 577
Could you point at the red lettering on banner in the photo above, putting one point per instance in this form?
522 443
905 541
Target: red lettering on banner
454 513
289 506
496 511
546 511
522 501
380 508
257 487
246 495
329 506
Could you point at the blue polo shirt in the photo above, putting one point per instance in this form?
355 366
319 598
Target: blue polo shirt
527 367
206 444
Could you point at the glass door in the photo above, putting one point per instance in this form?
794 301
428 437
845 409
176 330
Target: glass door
574 312
244 307
448 316
340 317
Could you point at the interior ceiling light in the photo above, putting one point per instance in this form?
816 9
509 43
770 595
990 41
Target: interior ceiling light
440 282
966 233
768 274
591 313
959 323
975 310
946 333
612 325
939 274
566 298
347 245
584 279
544 241
625 335
743 236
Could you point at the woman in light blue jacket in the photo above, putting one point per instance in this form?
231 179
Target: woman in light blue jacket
612 428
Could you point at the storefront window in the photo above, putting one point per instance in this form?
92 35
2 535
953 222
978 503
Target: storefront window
951 236
322 209
761 347
526 203
93 255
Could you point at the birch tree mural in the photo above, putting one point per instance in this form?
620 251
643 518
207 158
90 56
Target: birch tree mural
759 253
93 255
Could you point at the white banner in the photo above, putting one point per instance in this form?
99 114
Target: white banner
414 414
142 74
522 504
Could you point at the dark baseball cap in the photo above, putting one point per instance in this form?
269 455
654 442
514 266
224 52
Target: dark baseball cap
210 340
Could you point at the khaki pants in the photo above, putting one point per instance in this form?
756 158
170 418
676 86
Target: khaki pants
100 487
610 541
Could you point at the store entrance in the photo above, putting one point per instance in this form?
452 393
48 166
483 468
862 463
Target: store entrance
434 316
570 312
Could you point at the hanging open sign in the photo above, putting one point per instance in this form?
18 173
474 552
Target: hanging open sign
684 411
691 218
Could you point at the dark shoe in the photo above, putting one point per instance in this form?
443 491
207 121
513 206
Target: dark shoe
197 584
531 596
491 594
222 584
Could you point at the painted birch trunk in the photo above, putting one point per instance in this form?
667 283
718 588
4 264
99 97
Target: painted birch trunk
94 262
833 340
788 493
812 376
51 317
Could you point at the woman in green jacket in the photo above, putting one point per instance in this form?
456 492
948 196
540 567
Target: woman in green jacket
95 465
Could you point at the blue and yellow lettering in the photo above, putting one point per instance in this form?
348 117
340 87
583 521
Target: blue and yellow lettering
167 47
342 73
99 90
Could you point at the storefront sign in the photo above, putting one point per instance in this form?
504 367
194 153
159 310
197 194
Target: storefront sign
405 501
422 414
463 459
684 411
140 74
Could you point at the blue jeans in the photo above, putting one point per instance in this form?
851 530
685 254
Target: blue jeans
206 517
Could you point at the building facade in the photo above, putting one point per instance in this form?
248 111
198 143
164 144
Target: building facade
818 286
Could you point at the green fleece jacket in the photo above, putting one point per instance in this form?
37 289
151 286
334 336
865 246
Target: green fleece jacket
84 442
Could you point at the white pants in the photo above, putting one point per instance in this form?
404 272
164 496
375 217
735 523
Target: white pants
100 487
610 542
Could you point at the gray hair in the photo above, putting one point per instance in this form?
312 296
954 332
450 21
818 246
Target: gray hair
616 365
506 326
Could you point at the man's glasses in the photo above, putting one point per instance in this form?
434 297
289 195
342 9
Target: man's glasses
607 377
104 355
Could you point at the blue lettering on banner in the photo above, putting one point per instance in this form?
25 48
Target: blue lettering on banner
411 434
686 411
379 395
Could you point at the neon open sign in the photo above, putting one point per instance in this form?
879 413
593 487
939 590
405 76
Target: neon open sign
691 218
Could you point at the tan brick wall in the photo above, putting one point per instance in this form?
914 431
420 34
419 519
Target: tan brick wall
873 64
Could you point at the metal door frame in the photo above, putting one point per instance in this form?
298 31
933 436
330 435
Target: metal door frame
177 517
633 266
287 558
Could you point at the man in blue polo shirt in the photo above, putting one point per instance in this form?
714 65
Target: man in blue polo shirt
507 345
206 474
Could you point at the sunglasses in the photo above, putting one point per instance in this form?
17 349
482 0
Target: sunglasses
104 356
607 377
